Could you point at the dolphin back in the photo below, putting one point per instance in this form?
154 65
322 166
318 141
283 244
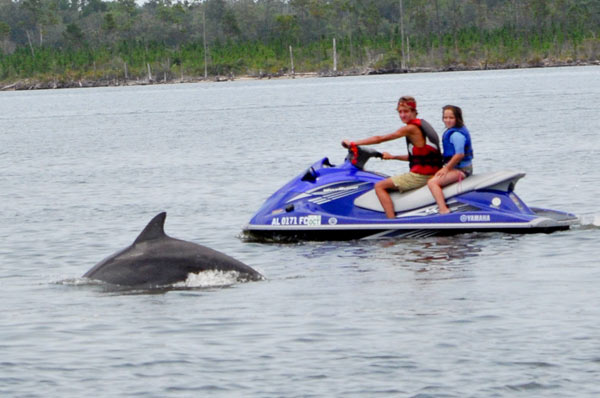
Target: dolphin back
155 259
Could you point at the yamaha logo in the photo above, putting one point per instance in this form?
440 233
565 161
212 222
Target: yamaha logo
332 220
475 218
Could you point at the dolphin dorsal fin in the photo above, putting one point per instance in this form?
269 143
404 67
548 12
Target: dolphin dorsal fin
154 230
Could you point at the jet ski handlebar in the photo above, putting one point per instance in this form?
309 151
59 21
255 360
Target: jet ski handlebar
359 155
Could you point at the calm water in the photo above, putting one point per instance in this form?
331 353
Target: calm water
478 315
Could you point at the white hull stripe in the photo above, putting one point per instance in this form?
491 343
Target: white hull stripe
338 227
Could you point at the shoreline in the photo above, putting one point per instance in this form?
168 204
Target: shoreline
36 84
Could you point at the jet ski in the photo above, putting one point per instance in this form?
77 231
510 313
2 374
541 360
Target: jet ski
329 202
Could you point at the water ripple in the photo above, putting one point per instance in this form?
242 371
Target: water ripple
474 315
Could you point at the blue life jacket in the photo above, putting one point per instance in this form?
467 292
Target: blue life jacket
449 148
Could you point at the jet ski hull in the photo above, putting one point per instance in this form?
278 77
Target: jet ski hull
405 230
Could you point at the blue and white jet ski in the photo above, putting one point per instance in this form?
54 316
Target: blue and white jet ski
329 202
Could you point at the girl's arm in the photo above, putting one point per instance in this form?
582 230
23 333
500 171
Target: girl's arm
454 160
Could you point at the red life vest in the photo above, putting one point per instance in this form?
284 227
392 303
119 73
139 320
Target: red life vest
427 159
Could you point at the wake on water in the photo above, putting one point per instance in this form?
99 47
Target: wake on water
589 221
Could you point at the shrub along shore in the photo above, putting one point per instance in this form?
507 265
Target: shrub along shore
54 68
61 82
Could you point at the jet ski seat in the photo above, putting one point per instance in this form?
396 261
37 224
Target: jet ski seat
499 180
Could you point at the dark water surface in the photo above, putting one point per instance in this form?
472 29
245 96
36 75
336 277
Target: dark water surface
475 315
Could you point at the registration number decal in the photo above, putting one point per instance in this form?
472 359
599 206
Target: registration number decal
310 220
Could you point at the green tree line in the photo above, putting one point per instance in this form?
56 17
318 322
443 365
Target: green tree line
166 40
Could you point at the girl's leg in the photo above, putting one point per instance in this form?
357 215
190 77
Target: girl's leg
435 185
381 189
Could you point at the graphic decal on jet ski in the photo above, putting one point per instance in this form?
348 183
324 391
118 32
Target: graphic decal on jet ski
328 193
516 200
496 202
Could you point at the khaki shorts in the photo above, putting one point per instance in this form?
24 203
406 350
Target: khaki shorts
410 180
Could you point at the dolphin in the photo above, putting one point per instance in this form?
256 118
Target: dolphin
157 260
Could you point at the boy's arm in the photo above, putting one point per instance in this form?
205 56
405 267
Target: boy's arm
378 139
387 155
